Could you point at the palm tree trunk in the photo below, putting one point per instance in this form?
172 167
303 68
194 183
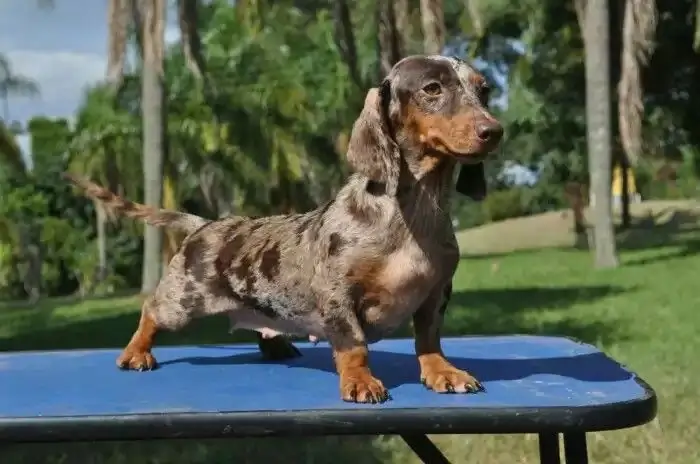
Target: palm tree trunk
101 219
599 127
388 40
433 23
345 40
620 155
402 14
172 238
154 142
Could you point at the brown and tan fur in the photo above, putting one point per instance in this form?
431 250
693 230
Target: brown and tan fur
351 271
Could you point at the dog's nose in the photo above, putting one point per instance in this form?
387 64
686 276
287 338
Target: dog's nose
490 131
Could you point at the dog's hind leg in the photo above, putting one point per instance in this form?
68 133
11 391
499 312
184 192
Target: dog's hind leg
176 301
137 354
162 312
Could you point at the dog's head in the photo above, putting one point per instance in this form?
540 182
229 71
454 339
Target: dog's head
427 108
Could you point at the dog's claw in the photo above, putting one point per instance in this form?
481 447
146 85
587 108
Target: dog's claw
363 388
450 380
136 361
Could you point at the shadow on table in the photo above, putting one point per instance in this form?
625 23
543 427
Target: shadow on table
396 369
485 312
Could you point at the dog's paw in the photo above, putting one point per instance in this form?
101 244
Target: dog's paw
277 348
358 386
136 360
450 380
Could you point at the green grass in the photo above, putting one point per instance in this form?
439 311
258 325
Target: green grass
645 314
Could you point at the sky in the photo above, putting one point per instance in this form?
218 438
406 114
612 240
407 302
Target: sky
63 49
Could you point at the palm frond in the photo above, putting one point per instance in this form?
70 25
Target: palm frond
638 32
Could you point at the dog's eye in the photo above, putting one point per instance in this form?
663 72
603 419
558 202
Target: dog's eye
433 89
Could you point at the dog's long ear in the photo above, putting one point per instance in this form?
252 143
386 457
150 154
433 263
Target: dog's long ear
471 181
372 150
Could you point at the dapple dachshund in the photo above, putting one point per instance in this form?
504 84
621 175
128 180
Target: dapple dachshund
353 270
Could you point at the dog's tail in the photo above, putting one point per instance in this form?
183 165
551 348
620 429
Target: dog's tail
176 220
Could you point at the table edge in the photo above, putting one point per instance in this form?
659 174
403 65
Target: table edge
441 420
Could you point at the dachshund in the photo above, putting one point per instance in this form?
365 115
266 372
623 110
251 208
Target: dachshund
354 269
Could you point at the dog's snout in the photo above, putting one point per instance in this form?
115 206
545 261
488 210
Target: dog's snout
489 131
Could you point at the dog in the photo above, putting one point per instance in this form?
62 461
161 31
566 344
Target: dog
354 269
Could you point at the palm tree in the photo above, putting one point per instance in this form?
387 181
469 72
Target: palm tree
638 31
148 19
13 84
594 16
101 149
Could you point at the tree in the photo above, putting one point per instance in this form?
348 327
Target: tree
638 31
13 84
18 225
595 18
148 20
103 149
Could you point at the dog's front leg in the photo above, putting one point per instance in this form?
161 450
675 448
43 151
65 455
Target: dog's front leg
350 353
436 372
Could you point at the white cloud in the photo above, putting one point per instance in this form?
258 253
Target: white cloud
59 74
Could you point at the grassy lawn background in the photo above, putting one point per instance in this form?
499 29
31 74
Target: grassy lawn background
644 314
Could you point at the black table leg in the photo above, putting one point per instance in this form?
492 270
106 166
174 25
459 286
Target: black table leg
549 448
575 448
425 449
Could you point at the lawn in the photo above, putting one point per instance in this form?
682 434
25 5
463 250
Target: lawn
645 314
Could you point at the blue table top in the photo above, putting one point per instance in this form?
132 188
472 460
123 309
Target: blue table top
532 383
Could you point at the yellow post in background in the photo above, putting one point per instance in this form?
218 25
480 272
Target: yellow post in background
617 186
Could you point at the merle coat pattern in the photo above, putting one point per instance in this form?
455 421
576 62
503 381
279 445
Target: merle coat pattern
351 271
